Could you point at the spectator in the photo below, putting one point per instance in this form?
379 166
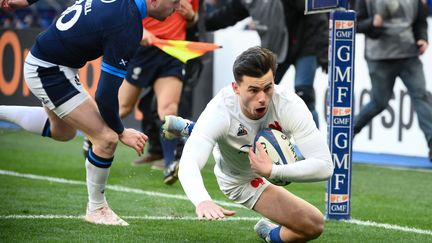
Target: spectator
396 34
307 50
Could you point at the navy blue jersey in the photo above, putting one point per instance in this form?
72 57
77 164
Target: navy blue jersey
90 29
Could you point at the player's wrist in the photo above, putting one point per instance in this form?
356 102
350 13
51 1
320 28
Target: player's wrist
121 132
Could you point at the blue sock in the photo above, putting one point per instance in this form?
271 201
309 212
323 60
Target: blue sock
275 235
168 150
98 161
46 132
190 128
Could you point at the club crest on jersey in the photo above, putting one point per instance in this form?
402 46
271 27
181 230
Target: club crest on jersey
241 131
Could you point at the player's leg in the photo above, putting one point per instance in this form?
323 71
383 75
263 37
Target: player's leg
297 219
86 117
150 126
383 77
168 91
58 87
142 71
52 85
305 68
38 120
128 97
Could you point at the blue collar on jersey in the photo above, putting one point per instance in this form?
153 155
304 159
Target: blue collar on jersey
142 7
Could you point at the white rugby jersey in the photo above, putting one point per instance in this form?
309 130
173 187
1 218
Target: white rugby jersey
225 130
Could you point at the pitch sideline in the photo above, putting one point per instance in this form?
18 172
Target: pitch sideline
174 196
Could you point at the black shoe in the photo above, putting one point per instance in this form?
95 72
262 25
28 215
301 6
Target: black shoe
171 173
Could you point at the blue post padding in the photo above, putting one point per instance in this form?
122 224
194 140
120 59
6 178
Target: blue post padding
341 111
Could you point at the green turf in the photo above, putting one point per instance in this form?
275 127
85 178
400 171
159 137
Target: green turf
379 194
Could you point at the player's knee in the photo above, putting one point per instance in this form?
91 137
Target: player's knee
316 230
314 227
167 109
107 141
125 109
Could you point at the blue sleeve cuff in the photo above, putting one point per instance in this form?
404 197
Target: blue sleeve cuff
113 70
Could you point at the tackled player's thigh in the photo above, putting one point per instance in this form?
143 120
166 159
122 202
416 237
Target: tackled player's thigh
299 219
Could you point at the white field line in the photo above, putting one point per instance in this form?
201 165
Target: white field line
180 197
389 226
188 218
110 187
398 168
185 218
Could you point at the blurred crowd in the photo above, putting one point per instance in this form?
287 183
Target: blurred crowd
43 13
40 14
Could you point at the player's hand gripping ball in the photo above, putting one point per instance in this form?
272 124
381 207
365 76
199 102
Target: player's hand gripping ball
278 147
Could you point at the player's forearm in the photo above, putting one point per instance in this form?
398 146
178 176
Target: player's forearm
308 170
195 155
107 101
317 166
192 183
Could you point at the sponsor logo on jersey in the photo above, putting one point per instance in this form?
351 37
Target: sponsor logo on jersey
241 131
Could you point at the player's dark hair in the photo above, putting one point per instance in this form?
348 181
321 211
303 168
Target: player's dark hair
254 62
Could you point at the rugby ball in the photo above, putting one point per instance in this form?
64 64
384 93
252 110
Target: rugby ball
279 148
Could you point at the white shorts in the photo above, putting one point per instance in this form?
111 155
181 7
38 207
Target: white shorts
57 87
244 192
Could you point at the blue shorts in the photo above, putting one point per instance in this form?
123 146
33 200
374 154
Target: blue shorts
150 63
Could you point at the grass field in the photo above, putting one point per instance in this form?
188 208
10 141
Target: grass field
43 199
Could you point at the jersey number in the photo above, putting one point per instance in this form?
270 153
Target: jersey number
68 24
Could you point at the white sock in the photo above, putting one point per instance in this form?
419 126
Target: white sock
96 181
30 118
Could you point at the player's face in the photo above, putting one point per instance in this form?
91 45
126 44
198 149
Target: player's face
255 94
164 8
